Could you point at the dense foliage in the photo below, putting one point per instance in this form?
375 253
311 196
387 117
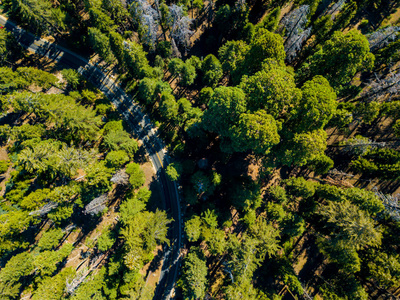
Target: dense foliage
282 118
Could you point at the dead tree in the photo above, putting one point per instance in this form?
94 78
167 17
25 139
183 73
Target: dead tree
97 205
379 87
382 37
180 26
391 203
120 178
335 9
296 35
360 145
44 210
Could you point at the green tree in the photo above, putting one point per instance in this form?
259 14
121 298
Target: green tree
257 132
232 55
120 140
272 89
136 175
168 106
265 45
350 224
212 70
11 275
101 44
46 262
193 228
317 105
225 108
12 224
270 21
136 61
71 77
339 59
173 171
116 159
98 176
106 240
146 90
193 282
52 288
50 239
305 147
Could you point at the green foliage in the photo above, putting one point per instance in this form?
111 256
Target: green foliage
223 113
212 70
339 59
257 132
101 44
278 194
168 106
273 89
52 288
11 275
106 240
385 269
116 159
98 176
46 262
4 164
136 175
174 171
119 139
383 163
317 105
193 228
146 90
193 282
136 61
270 21
71 77
321 165
264 45
232 55
299 187
12 224
50 239
353 226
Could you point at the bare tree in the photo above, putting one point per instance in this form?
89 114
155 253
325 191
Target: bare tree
148 20
295 43
120 178
382 37
175 50
296 35
359 145
45 209
97 205
335 9
390 85
180 26
391 203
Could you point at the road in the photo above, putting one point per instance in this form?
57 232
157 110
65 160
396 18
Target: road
141 127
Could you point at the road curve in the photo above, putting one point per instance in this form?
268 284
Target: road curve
141 127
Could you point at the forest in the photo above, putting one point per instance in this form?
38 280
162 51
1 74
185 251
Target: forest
282 121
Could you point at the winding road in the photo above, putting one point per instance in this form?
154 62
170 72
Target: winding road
141 127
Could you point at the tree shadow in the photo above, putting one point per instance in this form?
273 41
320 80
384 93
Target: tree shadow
156 262
155 202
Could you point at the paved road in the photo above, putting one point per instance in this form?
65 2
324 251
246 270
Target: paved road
142 128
